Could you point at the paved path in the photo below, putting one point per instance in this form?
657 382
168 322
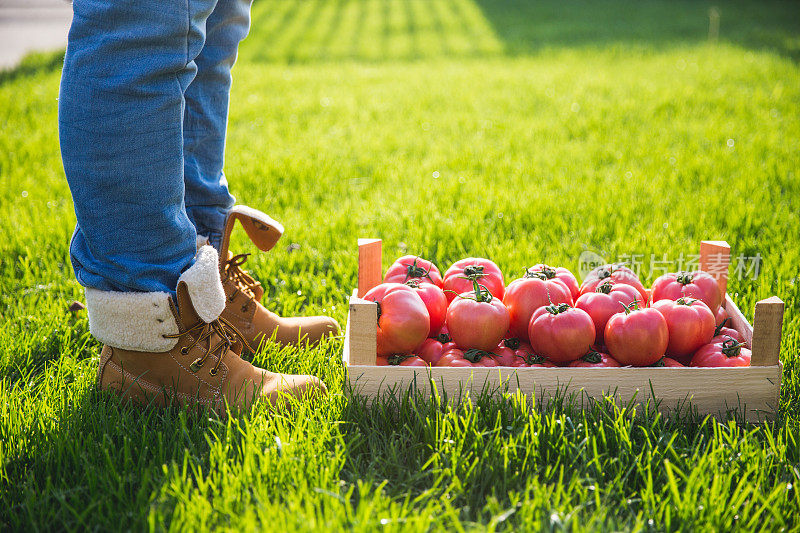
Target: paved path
32 25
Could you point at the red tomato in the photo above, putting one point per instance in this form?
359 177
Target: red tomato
483 271
400 360
503 355
411 267
524 354
593 359
565 276
477 319
637 337
722 316
729 353
431 350
618 273
690 323
668 362
561 332
526 295
435 301
695 284
403 321
473 358
605 301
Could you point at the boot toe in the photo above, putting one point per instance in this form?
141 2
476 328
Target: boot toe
298 386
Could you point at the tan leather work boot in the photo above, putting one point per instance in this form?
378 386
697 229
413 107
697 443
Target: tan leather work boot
243 307
157 353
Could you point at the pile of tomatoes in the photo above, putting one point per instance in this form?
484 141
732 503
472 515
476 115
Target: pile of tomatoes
470 317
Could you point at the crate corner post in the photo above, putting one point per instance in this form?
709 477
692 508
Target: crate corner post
369 264
715 258
767 329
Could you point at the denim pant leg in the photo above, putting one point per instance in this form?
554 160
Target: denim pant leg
206 119
121 106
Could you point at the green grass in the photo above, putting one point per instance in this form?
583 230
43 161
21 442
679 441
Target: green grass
552 128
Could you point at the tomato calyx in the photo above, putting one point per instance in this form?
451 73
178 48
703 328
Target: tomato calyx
379 310
605 287
396 359
546 272
634 306
482 294
415 272
731 347
685 300
474 355
592 357
533 358
538 274
684 278
659 364
512 343
443 338
557 309
605 271
473 272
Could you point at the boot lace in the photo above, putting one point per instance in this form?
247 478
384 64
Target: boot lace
245 283
227 333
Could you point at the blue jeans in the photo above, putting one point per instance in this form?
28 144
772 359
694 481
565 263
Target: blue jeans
143 110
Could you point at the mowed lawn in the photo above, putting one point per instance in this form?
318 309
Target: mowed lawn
519 131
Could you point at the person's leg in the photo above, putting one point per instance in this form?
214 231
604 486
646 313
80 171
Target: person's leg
208 201
121 104
153 299
206 119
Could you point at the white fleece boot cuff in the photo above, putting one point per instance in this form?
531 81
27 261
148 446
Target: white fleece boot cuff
205 287
138 321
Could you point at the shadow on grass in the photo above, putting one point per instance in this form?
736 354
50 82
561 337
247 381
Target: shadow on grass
32 65
98 455
492 446
418 29
526 27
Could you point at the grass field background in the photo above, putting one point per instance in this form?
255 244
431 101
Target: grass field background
520 131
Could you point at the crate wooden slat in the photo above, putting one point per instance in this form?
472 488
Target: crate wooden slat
753 390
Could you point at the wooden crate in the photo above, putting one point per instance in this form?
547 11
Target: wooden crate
753 391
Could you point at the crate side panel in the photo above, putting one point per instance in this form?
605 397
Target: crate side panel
739 321
711 391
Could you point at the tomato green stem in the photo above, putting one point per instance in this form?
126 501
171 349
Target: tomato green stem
443 338
555 309
718 329
396 359
592 357
533 358
634 306
512 343
413 271
474 355
474 271
684 278
605 287
732 347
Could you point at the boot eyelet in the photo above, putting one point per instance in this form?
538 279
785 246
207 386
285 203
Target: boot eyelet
185 350
195 366
213 372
